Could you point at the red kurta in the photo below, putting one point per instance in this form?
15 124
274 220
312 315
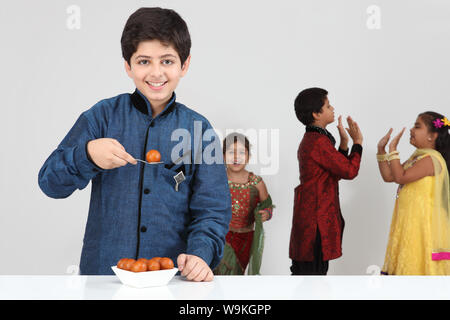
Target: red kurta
316 202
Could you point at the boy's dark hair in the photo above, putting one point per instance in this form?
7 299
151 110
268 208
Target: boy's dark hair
443 139
160 24
233 138
309 101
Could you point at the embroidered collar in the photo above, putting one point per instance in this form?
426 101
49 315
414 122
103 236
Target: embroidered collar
321 131
251 181
143 105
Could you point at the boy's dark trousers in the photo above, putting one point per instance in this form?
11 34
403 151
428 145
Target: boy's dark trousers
315 267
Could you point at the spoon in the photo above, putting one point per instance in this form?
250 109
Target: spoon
148 162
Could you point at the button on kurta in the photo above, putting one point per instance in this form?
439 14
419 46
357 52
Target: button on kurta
143 229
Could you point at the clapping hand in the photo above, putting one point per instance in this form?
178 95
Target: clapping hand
353 130
343 134
395 141
383 142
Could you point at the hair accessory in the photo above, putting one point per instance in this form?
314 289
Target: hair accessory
439 123
446 122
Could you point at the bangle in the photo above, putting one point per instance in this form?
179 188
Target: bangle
394 155
382 157
269 211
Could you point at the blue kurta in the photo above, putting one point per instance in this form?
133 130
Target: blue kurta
135 210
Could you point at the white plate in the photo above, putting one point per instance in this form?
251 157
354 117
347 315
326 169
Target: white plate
145 279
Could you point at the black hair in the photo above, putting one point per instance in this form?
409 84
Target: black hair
233 138
156 23
443 138
309 101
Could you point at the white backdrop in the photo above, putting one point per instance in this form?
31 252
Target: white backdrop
383 62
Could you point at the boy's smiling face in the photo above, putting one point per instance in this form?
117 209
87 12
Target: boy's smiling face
156 70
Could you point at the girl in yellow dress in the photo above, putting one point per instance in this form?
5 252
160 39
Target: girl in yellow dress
419 238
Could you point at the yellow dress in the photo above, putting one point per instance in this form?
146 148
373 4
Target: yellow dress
410 244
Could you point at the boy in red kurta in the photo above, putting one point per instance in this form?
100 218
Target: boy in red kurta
317 224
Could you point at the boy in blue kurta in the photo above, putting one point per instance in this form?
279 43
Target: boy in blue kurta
180 208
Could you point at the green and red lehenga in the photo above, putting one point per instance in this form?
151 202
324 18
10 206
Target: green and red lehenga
244 241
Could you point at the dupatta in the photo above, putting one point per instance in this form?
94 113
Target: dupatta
256 251
229 264
440 220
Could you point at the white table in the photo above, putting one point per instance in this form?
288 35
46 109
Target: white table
75 287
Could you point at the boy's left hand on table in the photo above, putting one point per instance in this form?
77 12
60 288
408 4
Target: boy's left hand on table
194 268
